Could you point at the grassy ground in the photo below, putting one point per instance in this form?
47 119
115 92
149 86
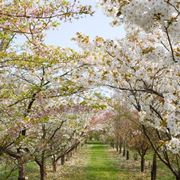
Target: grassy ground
106 164
31 171
130 169
101 165
163 173
96 162
74 169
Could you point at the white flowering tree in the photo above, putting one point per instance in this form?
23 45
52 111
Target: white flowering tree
59 136
144 67
36 79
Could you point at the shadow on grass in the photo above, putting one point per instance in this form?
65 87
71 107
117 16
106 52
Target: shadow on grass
98 146
100 169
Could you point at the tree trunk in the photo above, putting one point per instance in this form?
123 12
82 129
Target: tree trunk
177 177
120 148
76 148
42 166
124 150
62 159
21 169
177 174
142 163
154 168
127 155
42 171
54 164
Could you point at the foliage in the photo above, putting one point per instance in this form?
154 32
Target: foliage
144 68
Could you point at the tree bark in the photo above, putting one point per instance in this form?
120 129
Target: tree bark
177 177
124 150
142 163
76 148
62 159
21 169
127 155
154 168
42 171
54 166
120 148
42 166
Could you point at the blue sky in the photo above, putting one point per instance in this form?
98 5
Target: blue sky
96 25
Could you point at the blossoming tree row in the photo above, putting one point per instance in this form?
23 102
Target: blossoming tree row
144 68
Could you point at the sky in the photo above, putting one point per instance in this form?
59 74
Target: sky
96 25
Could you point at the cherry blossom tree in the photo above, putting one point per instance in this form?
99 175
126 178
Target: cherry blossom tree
58 137
144 67
128 133
34 73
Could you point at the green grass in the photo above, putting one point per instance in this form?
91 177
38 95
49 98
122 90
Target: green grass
8 170
94 162
106 164
163 173
32 171
94 142
100 165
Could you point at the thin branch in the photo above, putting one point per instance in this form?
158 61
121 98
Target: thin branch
170 44
151 91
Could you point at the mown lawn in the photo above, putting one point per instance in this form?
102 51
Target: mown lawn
95 162
106 164
101 165
32 170
163 173
130 169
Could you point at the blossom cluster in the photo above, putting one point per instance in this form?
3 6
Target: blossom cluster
145 64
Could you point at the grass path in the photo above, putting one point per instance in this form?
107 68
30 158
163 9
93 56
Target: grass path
101 166
103 163
93 162
97 162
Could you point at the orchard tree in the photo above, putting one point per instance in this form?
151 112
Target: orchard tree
122 129
58 137
33 73
144 67
128 133
31 18
139 143
37 90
